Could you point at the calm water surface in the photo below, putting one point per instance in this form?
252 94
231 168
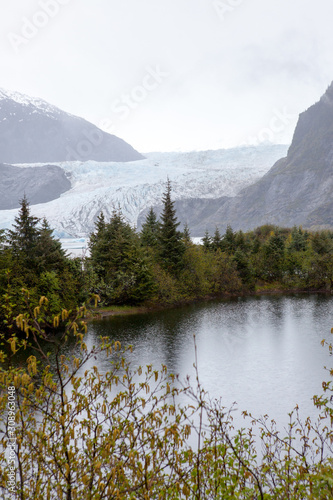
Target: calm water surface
262 352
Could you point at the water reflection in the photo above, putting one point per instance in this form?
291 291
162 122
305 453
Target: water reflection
263 352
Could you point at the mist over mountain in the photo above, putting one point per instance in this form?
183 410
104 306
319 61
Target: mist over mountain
34 131
297 190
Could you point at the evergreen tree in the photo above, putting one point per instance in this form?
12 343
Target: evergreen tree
150 230
23 238
217 240
274 257
207 241
35 260
98 244
100 226
108 243
322 242
119 262
229 241
171 246
298 240
2 239
49 253
241 243
187 236
244 268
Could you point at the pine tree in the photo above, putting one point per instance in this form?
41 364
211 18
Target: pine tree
298 240
119 261
229 241
274 256
207 241
100 226
49 253
150 230
171 246
216 240
98 243
187 236
107 242
23 238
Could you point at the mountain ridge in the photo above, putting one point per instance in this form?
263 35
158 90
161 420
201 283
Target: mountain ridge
34 131
297 190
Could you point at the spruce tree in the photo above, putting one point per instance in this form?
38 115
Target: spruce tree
119 261
49 253
98 244
298 240
150 229
229 241
274 256
217 240
171 246
207 241
100 226
187 236
23 238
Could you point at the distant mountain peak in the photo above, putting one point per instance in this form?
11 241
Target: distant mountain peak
34 131
26 100
327 98
297 190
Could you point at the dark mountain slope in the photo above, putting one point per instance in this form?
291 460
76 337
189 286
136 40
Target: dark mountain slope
33 131
297 190
39 184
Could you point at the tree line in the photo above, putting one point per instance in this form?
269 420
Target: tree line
81 434
158 265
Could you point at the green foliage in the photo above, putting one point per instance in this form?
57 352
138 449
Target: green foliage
80 434
120 267
195 277
170 245
23 238
225 278
229 241
150 230
187 236
322 242
160 265
31 258
167 287
244 268
273 253
207 241
216 240
298 241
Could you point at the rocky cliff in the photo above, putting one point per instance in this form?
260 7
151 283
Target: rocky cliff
39 184
298 189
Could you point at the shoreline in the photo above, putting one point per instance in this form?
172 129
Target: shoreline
110 311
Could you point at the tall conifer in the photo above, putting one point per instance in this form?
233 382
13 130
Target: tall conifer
23 238
171 246
150 229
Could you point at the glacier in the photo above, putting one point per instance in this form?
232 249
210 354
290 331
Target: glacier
137 185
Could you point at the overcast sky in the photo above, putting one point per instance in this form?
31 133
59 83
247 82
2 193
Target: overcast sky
172 75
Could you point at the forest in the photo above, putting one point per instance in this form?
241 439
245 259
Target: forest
68 431
158 266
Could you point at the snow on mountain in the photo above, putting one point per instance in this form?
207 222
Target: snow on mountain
34 131
134 186
25 100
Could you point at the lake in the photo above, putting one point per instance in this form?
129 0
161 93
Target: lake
263 352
